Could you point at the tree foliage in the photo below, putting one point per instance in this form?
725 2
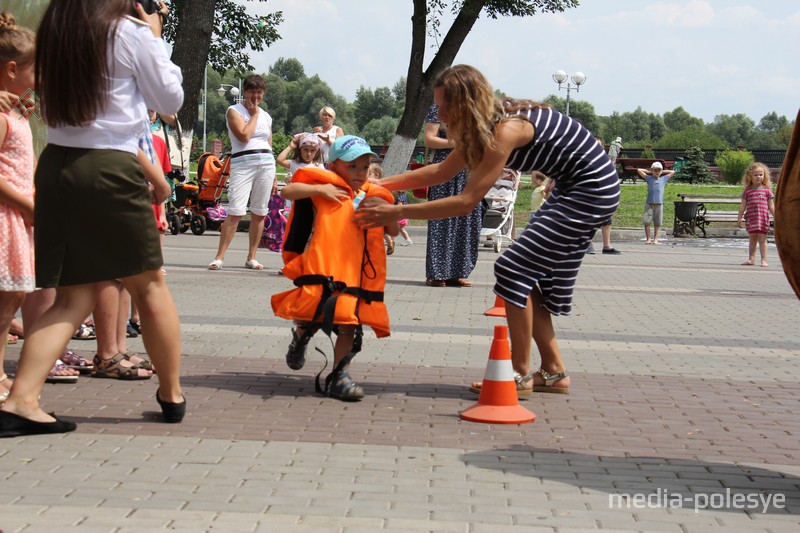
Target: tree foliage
217 32
426 21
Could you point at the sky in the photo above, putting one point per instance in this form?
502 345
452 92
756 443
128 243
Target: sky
713 57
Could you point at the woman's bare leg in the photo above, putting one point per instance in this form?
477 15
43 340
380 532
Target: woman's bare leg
161 330
45 341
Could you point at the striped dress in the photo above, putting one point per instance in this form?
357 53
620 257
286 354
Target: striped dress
549 251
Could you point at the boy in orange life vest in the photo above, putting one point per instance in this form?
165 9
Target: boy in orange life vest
338 268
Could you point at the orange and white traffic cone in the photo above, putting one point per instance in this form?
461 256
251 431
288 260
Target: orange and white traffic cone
499 308
498 402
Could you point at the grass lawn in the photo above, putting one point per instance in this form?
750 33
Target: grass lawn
631 206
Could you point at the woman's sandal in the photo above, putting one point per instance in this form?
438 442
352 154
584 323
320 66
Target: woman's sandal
140 362
549 382
434 282
76 362
519 380
343 388
112 369
85 333
4 394
61 373
458 282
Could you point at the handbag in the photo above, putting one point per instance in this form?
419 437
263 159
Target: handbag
274 225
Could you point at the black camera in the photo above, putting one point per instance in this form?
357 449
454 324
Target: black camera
150 6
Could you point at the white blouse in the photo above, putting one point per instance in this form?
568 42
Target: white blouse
142 77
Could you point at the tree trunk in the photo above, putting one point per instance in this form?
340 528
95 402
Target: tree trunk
419 85
190 53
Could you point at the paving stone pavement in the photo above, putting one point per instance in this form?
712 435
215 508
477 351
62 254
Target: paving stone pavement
681 416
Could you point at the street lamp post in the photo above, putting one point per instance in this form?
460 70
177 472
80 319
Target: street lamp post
579 78
236 92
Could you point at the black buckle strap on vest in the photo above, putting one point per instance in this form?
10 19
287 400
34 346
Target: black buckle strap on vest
331 290
250 152
357 342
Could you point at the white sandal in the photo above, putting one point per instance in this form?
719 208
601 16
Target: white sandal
216 264
253 264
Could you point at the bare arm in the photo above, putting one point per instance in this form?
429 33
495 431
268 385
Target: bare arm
642 172
509 135
155 176
283 157
243 132
742 207
298 191
432 139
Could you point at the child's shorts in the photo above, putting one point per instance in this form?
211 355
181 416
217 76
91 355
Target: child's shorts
653 215
403 222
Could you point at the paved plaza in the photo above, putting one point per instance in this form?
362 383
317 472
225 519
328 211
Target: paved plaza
682 415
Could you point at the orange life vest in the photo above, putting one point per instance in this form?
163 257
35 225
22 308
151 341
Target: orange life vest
339 268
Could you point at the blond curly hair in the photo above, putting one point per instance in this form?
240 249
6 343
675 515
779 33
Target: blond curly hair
473 110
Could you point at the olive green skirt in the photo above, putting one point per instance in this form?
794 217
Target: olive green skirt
93 219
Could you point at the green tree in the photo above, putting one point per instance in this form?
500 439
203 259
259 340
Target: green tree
215 32
733 164
736 129
288 69
426 21
379 131
693 135
370 105
580 110
772 123
679 119
695 169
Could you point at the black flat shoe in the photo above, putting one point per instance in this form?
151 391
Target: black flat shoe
173 412
12 425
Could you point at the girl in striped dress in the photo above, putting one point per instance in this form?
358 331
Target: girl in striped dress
536 275
757 204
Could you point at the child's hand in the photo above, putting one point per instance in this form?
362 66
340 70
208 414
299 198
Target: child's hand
161 191
27 213
740 223
332 192
8 101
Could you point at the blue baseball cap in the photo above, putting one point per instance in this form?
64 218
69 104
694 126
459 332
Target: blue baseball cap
349 148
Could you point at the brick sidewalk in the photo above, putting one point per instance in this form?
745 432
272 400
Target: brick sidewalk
685 382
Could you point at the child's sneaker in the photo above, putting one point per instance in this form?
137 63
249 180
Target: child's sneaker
409 242
296 356
343 388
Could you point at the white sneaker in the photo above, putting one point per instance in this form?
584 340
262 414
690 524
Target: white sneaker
407 243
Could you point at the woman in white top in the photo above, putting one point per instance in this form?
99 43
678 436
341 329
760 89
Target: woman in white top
328 132
88 180
252 170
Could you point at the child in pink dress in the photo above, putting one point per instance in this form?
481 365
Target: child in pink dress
757 205
16 182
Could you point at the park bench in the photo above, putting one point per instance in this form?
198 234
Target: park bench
692 212
628 166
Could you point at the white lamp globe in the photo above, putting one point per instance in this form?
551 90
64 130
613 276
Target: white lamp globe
560 76
234 92
579 78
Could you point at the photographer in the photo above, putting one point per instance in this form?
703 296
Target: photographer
95 122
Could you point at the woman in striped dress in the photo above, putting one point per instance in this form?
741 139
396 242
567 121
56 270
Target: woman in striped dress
535 275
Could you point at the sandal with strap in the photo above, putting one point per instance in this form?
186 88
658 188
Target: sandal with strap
76 362
112 369
343 388
296 355
519 380
85 333
141 362
549 382
61 373
4 394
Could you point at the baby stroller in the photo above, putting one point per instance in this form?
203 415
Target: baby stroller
197 205
498 220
